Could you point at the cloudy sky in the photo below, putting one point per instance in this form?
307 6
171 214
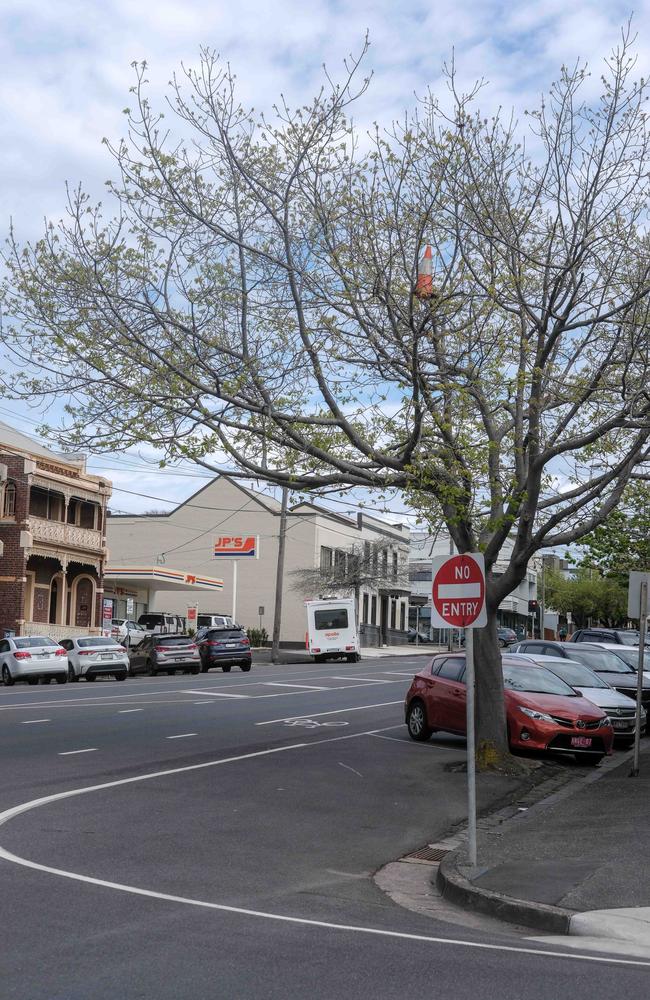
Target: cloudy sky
65 73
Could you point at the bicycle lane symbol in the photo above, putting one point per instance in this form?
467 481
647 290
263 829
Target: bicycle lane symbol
313 724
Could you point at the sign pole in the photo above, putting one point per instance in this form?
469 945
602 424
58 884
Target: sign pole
471 746
234 591
643 614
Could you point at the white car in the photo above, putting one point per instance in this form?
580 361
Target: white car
128 632
32 658
92 656
628 653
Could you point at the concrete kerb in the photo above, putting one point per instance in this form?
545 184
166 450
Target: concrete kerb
457 888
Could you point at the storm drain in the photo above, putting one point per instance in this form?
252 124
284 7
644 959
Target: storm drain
427 855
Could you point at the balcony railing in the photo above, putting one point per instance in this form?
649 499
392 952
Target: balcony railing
59 533
57 632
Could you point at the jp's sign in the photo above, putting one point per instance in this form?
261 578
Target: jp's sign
458 591
236 546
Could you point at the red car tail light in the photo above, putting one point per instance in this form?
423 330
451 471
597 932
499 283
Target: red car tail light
22 655
315 650
161 649
245 642
192 646
82 652
61 652
349 647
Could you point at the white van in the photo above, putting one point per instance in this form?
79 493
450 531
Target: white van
214 621
332 630
161 623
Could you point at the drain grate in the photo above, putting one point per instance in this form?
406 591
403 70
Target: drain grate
427 855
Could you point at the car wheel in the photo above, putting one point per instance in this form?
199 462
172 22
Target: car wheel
131 671
7 679
90 677
32 680
226 668
120 677
61 678
170 673
245 667
589 759
416 721
196 669
151 670
71 674
45 680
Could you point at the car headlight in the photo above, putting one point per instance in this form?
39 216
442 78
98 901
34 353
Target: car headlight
605 722
532 714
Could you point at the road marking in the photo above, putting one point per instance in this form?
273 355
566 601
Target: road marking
218 694
126 711
181 736
11 813
306 687
424 746
32 722
203 703
368 680
398 673
68 753
336 711
348 768
312 724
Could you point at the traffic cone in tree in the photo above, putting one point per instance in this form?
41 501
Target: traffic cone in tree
424 285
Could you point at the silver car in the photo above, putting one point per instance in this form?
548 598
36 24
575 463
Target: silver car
92 656
32 658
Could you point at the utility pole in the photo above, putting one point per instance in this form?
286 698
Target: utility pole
542 603
279 577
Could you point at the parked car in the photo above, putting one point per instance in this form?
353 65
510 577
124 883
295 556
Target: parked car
421 636
543 712
92 656
225 648
127 632
161 623
607 663
215 621
618 636
32 658
159 653
505 636
628 653
620 708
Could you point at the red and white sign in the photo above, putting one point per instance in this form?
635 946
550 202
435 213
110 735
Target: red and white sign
192 615
236 547
458 591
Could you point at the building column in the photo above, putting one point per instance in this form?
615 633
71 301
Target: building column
64 583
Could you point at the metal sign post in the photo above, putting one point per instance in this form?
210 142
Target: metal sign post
458 594
643 614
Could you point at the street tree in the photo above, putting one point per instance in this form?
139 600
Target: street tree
372 565
621 543
587 595
247 300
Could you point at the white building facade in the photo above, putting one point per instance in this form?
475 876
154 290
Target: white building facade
514 609
180 546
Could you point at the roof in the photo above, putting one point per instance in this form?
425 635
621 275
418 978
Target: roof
17 441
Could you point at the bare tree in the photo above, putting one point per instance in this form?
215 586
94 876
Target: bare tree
251 306
360 566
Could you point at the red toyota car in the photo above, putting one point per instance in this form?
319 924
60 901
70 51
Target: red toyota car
543 712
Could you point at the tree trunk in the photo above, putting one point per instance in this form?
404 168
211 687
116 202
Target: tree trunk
492 748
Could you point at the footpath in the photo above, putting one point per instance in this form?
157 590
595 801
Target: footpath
576 862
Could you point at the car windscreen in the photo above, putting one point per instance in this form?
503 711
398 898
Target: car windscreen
628 638
150 621
224 635
631 656
34 642
97 641
334 618
535 680
600 659
575 674
173 640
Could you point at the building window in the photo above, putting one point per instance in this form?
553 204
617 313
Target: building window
373 611
9 500
385 562
364 616
325 558
393 613
339 560
402 617
395 564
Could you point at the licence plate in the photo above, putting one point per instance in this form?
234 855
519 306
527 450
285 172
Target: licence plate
581 741
622 724
231 645
106 656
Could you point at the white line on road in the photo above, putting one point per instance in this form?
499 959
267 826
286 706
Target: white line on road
126 711
306 687
423 746
9 814
348 768
336 711
68 753
218 694
32 722
203 703
181 736
368 680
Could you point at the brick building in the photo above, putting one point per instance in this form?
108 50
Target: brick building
52 540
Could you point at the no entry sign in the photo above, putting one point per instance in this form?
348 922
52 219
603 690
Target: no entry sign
458 591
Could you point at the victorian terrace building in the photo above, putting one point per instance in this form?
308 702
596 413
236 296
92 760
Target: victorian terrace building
53 530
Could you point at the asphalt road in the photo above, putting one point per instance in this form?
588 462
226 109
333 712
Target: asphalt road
215 836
